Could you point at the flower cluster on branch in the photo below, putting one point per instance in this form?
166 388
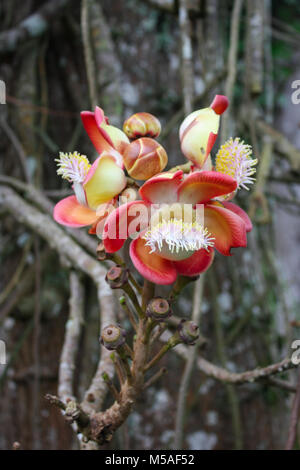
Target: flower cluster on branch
176 219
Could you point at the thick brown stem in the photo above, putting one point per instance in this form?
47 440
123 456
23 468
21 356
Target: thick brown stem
103 425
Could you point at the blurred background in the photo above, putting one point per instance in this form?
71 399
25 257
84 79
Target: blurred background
59 57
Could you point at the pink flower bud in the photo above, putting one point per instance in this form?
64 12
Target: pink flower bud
142 125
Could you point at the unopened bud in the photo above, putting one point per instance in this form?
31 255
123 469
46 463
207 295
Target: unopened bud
142 125
144 158
159 309
112 337
199 130
101 253
129 195
188 332
117 277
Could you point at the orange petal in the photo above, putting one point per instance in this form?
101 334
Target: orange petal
104 181
227 227
161 188
151 266
117 138
99 137
69 212
201 186
239 211
92 128
199 262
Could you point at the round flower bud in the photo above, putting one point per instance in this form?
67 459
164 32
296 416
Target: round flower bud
142 125
188 332
117 277
112 337
144 158
159 309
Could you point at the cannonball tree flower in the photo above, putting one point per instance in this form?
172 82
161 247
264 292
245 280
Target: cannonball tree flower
169 243
199 131
93 186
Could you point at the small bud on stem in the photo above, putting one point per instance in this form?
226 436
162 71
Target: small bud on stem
188 332
117 277
101 253
112 337
158 309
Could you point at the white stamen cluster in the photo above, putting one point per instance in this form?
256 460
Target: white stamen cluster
73 166
178 235
234 158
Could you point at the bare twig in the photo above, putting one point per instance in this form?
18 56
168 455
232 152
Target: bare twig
41 201
36 346
232 59
173 122
283 145
167 5
186 57
69 249
107 63
221 352
17 146
71 340
155 377
255 38
283 384
187 373
88 51
294 418
33 26
17 274
224 375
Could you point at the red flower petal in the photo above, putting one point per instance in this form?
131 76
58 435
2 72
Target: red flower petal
220 104
123 222
227 227
239 211
201 186
100 119
161 188
210 143
100 141
199 262
151 266
69 212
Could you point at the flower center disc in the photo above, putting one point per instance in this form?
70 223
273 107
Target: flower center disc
176 240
